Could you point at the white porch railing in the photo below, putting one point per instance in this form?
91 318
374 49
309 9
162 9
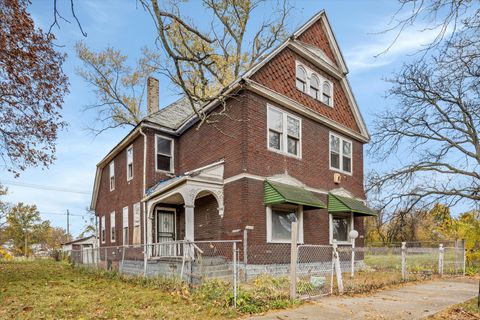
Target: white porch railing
173 249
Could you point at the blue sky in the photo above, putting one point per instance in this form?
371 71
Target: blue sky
124 25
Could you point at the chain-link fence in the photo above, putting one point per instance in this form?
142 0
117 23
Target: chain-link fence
319 269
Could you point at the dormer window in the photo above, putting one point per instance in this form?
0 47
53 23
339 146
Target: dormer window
111 170
314 87
301 79
327 93
163 153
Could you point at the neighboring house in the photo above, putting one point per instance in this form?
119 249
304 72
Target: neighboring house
89 242
83 250
291 149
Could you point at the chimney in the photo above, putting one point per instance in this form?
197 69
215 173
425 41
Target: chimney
152 95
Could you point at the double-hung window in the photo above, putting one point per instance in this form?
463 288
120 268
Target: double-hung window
301 76
125 226
340 226
340 154
279 223
315 87
327 93
284 132
164 154
112 226
111 170
102 228
136 224
130 163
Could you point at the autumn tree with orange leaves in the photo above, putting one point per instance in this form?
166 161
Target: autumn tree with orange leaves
32 87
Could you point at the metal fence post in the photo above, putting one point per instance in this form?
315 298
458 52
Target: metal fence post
293 261
440 259
123 257
338 268
404 261
464 262
234 274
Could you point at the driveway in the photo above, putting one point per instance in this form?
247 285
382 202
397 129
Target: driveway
412 301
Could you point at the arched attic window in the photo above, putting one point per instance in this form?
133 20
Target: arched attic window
301 82
327 93
315 87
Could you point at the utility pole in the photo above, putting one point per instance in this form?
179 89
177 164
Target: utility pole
68 222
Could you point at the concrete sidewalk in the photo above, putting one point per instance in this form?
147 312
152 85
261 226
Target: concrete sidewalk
412 301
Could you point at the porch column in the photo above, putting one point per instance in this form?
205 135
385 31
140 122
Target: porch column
189 232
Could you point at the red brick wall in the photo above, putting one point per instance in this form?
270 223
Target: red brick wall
279 75
316 35
313 168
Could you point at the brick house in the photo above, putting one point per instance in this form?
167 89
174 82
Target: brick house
294 151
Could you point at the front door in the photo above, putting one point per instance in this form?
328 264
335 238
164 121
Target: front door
165 232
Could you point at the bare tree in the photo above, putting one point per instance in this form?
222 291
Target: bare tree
431 136
119 88
200 62
446 17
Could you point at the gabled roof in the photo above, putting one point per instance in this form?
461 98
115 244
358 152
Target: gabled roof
173 115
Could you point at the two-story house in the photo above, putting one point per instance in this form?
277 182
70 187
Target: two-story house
290 150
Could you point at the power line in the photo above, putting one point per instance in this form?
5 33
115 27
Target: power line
64 214
43 187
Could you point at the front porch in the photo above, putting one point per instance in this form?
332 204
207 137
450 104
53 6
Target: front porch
176 207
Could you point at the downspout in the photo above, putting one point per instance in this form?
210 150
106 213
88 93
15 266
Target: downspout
145 247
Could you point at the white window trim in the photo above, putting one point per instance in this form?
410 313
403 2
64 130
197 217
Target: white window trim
310 73
174 221
330 229
114 224
125 210
130 177
102 229
110 175
172 156
269 226
340 154
285 133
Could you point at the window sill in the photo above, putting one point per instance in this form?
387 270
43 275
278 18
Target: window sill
285 154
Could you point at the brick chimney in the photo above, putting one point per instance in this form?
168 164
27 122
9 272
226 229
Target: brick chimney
152 95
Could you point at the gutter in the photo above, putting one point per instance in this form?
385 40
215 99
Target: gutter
145 247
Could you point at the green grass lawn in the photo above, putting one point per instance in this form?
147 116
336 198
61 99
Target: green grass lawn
54 290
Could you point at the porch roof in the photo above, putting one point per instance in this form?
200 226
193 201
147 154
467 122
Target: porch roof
338 203
280 193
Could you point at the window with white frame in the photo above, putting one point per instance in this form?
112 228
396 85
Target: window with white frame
327 93
112 226
315 87
311 83
279 223
284 132
130 163
301 76
102 228
164 153
111 170
340 154
125 226
340 226
136 224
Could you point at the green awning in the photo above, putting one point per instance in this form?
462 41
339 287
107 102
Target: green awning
280 193
344 204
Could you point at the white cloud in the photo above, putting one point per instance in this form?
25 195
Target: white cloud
378 53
